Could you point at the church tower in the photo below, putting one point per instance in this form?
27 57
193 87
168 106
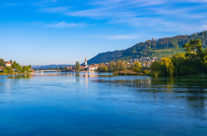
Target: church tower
86 62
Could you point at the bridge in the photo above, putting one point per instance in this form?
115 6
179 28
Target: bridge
48 70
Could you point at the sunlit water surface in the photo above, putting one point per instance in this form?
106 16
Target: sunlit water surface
91 104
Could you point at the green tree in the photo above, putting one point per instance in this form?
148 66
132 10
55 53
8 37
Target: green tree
167 65
199 48
194 46
204 60
26 68
156 68
8 70
136 67
194 56
2 62
77 66
179 62
17 67
163 68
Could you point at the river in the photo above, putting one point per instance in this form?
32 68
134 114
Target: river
92 104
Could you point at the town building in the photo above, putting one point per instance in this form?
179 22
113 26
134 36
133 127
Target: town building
86 63
70 68
92 67
8 64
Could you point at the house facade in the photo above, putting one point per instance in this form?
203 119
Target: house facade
8 64
92 67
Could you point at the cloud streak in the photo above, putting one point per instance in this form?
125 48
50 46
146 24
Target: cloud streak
65 25
159 14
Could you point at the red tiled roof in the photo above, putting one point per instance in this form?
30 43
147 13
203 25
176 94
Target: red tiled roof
8 62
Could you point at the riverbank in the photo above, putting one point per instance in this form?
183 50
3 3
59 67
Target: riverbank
132 73
11 74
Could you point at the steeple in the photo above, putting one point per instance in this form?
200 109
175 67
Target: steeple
86 62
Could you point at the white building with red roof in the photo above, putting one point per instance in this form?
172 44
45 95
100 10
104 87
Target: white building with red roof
8 64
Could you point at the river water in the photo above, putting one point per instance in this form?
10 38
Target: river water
92 104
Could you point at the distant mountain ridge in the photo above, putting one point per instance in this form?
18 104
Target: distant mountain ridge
148 48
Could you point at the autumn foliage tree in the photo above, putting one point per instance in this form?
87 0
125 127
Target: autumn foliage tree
102 68
136 67
193 61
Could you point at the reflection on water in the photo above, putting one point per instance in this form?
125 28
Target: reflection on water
23 76
192 90
88 103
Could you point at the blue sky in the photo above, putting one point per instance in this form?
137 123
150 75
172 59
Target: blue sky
64 31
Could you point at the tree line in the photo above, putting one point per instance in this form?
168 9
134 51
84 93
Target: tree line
147 49
192 61
14 68
120 65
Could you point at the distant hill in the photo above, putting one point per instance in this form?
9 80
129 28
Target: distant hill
161 47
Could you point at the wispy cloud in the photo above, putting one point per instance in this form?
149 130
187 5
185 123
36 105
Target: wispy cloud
92 13
159 14
121 3
65 25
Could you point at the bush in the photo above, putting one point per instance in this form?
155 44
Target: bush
102 68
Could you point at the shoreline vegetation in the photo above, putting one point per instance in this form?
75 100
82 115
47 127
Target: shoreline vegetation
13 68
191 62
10 74
122 67
162 47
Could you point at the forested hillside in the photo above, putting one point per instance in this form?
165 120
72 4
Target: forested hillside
150 48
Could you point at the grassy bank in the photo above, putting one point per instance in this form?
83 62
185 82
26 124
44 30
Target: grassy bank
131 73
126 72
7 74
